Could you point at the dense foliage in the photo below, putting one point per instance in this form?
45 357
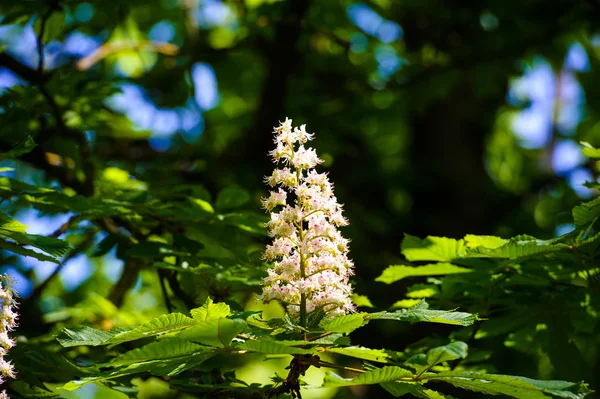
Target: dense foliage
134 143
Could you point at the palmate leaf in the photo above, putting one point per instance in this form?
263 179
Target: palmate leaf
447 250
205 318
511 386
164 324
518 247
215 332
395 273
421 312
162 349
376 376
210 311
160 367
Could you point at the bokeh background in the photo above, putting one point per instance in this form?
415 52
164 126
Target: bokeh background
434 118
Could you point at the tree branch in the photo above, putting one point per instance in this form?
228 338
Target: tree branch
22 70
81 248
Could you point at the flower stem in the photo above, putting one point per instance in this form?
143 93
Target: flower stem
302 265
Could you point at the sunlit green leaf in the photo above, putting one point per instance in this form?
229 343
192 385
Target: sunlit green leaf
210 311
214 332
421 312
376 376
163 349
432 248
345 324
511 386
395 273
359 352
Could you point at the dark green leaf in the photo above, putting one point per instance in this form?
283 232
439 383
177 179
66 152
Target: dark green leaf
511 386
454 350
231 197
22 148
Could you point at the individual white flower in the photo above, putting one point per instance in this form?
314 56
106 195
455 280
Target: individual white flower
310 268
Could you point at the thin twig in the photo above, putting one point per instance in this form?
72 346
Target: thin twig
40 40
336 366
131 45
163 288
65 226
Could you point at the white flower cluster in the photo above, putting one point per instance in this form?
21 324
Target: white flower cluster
8 321
310 257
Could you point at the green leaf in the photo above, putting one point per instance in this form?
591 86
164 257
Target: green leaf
163 349
26 252
165 324
203 205
511 386
50 245
586 213
518 247
376 376
589 151
54 26
474 241
273 347
30 391
361 300
359 352
232 197
153 249
395 273
161 367
214 332
454 350
210 311
440 249
9 224
345 324
14 230
22 148
83 336
398 389
421 312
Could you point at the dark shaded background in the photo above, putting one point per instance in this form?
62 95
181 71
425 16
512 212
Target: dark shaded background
434 118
